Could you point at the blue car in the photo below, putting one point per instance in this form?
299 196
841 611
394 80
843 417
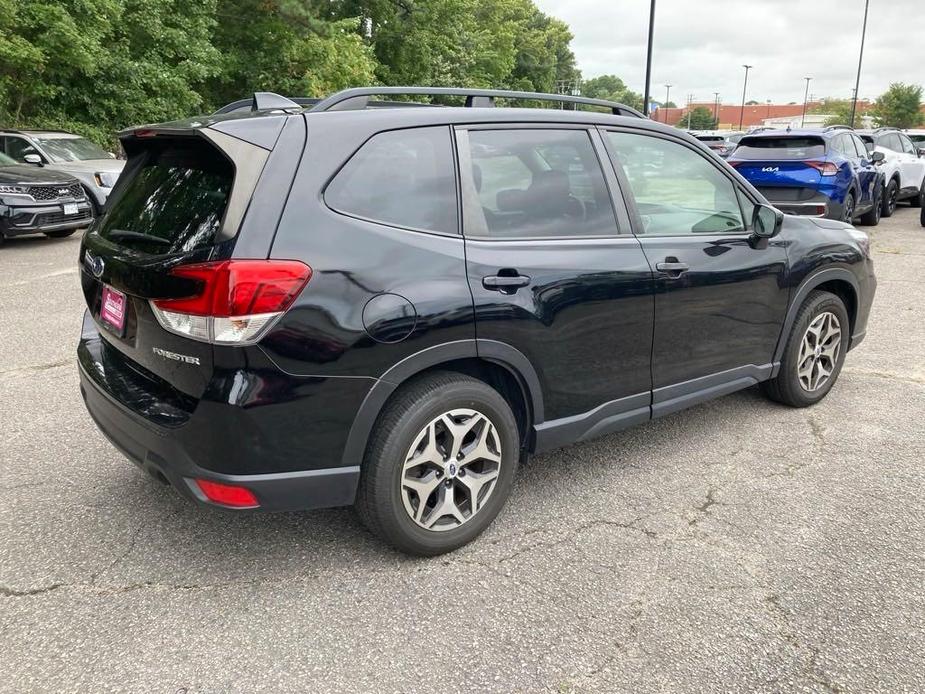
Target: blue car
821 172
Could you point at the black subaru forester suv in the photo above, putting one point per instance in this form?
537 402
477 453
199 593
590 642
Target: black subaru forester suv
388 307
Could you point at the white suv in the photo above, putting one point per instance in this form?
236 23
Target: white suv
903 168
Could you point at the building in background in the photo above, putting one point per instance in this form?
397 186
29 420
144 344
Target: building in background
755 115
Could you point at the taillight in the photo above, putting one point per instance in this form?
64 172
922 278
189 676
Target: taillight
826 168
235 301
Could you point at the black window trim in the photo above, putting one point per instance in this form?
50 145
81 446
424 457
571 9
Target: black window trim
456 188
630 199
622 221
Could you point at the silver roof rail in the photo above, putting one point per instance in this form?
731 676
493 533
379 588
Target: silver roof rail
358 98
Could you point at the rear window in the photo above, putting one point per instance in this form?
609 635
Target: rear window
172 200
780 148
403 178
710 138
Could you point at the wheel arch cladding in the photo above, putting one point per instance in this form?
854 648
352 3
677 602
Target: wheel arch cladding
500 366
838 281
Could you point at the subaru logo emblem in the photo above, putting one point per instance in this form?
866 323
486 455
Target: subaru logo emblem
94 264
451 470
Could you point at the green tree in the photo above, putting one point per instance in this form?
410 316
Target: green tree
838 111
612 88
701 118
285 47
899 106
95 66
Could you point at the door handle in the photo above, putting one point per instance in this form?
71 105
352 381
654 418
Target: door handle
673 269
505 283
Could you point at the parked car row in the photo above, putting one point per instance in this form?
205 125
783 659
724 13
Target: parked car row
834 172
52 182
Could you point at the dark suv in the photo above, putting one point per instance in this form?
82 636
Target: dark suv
36 201
389 307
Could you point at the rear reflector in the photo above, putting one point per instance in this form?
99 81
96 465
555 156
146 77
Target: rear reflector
232 301
228 494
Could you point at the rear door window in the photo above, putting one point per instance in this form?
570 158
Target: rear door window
775 148
172 200
907 145
402 178
534 183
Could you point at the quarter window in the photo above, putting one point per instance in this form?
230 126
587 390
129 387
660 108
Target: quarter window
403 178
677 191
534 183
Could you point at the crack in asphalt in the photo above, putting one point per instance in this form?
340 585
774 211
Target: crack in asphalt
574 532
903 378
810 669
36 368
705 507
13 593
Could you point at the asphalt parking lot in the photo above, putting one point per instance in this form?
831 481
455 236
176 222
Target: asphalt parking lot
736 546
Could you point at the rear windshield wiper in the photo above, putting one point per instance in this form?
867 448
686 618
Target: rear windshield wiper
129 234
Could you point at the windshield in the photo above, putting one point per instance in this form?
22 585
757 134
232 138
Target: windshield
780 148
7 161
173 199
62 149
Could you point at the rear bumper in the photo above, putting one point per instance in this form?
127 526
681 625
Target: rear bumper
160 455
174 454
806 209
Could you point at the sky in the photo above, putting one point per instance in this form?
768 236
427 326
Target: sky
701 45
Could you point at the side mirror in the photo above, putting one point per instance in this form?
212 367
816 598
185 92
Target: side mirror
766 221
877 157
33 159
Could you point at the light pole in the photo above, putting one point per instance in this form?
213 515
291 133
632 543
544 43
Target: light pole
690 99
744 87
716 109
805 99
645 99
667 92
857 83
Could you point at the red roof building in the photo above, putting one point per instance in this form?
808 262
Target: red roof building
729 115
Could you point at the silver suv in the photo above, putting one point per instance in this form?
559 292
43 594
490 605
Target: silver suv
95 168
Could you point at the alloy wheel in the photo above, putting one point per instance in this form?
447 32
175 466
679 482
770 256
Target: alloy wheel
819 351
451 469
849 209
892 193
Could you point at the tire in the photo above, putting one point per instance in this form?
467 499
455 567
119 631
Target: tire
412 421
848 210
888 201
787 387
871 218
62 234
919 200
